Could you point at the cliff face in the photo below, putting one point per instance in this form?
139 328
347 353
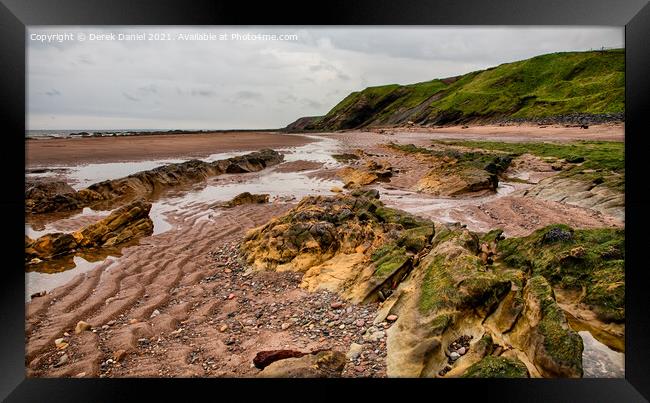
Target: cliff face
567 86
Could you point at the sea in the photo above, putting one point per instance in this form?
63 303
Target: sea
45 134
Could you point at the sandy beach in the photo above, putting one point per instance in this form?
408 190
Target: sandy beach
181 303
70 151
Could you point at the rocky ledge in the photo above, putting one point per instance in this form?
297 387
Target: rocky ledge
44 198
456 307
124 224
454 172
243 198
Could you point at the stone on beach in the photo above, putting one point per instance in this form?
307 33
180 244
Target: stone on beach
82 326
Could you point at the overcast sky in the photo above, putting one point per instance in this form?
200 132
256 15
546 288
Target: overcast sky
233 84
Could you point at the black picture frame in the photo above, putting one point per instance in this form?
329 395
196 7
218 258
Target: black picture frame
15 15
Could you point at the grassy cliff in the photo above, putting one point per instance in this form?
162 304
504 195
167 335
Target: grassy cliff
557 84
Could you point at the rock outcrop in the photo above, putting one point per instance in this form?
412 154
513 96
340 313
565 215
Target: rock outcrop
124 224
331 239
497 367
244 198
147 182
451 301
371 171
590 262
323 364
580 193
454 173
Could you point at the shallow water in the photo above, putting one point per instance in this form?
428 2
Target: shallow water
281 186
599 361
440 208
37 281
82 176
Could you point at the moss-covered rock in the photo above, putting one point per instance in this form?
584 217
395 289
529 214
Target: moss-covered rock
457 172
416 239
588 259
557 349
497 367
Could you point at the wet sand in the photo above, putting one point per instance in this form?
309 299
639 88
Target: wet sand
71 151
526 132
212 316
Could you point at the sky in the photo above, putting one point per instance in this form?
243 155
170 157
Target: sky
244 78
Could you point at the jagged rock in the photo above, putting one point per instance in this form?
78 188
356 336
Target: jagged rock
245 198
593 195
587 261
127 222
333 238
146 182
371 172
265 358
50 245
435 283
124 224
41 196
544 334
324 364
454 173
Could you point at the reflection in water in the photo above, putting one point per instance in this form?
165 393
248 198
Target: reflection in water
441 208
599 361
39 281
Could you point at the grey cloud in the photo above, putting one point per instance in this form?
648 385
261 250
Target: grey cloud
130 97
310 103
85 59
287 99
202 93
248 95
148 89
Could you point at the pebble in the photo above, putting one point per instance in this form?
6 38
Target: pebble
342 327
231 296
60 343
391 318
285 326
118 355
66 334
454 355
223 328
80 375
81 326
110 323
155 313
360 322
354 352
133 321
462 351
336 305
62 360
105 327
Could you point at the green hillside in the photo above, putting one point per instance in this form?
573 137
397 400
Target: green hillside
589 83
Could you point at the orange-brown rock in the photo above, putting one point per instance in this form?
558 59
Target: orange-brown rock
124 224
48 199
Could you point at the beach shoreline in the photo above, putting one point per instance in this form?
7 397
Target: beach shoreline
75 151
152 306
